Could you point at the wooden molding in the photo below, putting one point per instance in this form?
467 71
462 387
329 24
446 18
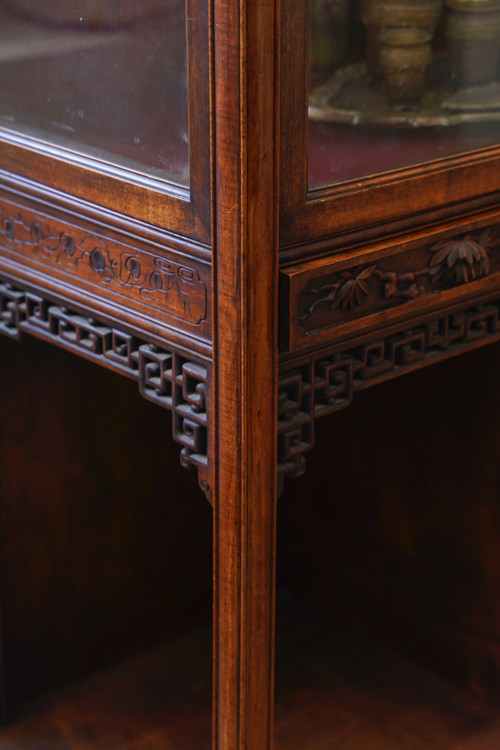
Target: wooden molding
161 281
246 360
155 281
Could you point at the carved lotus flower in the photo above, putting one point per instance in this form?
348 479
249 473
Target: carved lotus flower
467 257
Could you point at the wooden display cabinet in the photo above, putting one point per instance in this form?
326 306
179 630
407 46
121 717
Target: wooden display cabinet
171 210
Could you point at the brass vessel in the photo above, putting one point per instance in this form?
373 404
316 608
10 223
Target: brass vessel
405 55
473 40
382 15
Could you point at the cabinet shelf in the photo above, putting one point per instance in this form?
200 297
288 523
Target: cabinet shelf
336 688
339 689
158 699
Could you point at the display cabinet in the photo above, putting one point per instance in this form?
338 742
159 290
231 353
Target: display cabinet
254 211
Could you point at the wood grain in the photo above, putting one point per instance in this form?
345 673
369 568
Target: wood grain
246 366
338 689
337 297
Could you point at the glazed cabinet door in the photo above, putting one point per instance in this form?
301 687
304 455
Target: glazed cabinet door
393 118
389 167
109 102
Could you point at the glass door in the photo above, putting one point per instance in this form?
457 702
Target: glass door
394 83
390 114
118 88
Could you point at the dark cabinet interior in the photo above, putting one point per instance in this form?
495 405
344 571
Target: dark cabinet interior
106 561
388 566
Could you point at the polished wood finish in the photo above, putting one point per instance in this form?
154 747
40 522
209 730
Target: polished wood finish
154 279
337 688
342 296
407 549
89 499
159 699
177 289
356 692
246 372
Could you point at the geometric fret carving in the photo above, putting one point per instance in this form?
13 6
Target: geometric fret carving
308 388
169 379
311 389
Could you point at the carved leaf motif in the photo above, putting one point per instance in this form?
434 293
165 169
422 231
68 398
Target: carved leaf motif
467 257
354 288
347 292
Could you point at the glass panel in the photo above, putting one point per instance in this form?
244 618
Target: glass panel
400 82
105 77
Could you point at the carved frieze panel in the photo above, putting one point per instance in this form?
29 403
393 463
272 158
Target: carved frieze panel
168 378
155 279
325 295
324 384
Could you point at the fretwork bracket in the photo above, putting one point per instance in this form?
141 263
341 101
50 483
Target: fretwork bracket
311 388
167 378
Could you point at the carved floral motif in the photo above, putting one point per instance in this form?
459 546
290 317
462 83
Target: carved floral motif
466 257
156 281
455 261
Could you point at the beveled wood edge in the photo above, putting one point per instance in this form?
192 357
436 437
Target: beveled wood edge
322 382
245 343
478 180
165 375
399 199
186 211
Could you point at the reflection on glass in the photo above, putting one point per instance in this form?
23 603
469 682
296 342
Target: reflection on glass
104 77
400 82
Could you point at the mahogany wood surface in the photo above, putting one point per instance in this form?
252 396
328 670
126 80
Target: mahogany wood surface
246 371
338 689
335 688
248 204
159 699
341 296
